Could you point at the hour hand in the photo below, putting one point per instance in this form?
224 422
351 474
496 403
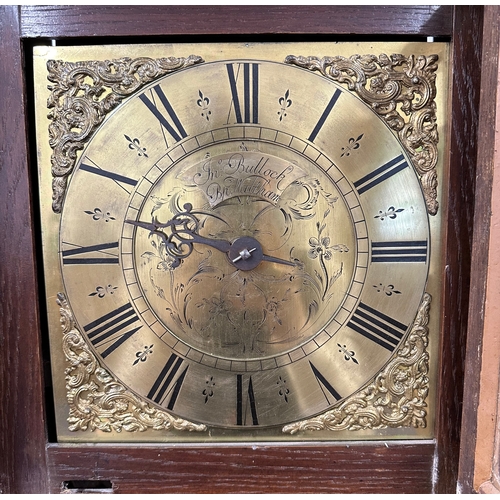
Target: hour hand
183 234
151 226
269 258
244 253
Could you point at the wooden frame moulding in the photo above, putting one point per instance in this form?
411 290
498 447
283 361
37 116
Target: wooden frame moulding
30 464
479 453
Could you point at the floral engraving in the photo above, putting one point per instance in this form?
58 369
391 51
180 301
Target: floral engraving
323 250
135 144
102 291
203 102
390 213
353 144
389 290
285 102
348 355
98 214
204 296
142 356
208 392
283 389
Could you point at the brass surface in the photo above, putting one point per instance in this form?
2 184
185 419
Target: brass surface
97 400
82 94
402 90
396 398
223 244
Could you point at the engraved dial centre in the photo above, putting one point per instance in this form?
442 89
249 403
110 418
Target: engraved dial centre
236 240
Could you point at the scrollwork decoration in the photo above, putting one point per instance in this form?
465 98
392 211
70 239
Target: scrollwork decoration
97 401
83 94
402 91
395 398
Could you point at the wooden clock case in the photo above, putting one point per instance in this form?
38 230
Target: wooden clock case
32 462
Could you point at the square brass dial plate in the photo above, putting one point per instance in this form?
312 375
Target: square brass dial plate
242 242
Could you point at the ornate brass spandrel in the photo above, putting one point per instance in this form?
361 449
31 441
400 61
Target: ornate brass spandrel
395 398
83 94
402 91
97 401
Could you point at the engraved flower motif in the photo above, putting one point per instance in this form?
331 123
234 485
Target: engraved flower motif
319 247
274 307
216 306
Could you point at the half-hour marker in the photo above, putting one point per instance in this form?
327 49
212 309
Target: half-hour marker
175 129
381 174
240 413
112 328
250 101
105 258
324 116
377 327
324 384
165 384
399 251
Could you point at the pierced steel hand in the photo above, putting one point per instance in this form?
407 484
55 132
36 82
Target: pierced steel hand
244 253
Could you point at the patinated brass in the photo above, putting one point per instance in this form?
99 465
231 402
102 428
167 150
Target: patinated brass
244 245
396 398
83 93
97 400
402 91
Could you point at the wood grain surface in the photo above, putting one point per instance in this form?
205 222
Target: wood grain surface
466 81
22 422
136 20
480 249
361 468
28 462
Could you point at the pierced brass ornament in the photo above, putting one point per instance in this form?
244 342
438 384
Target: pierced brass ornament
402 91
97 400
83 94
397 396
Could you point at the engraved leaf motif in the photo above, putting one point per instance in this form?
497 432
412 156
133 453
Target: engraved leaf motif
164 265
148 256
159 202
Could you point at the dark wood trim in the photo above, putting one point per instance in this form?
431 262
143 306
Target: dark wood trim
480 243
360 468
83 20
22 421
26 464
466 79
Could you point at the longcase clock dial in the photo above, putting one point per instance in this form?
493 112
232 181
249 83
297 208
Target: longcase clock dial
242 243
241 250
